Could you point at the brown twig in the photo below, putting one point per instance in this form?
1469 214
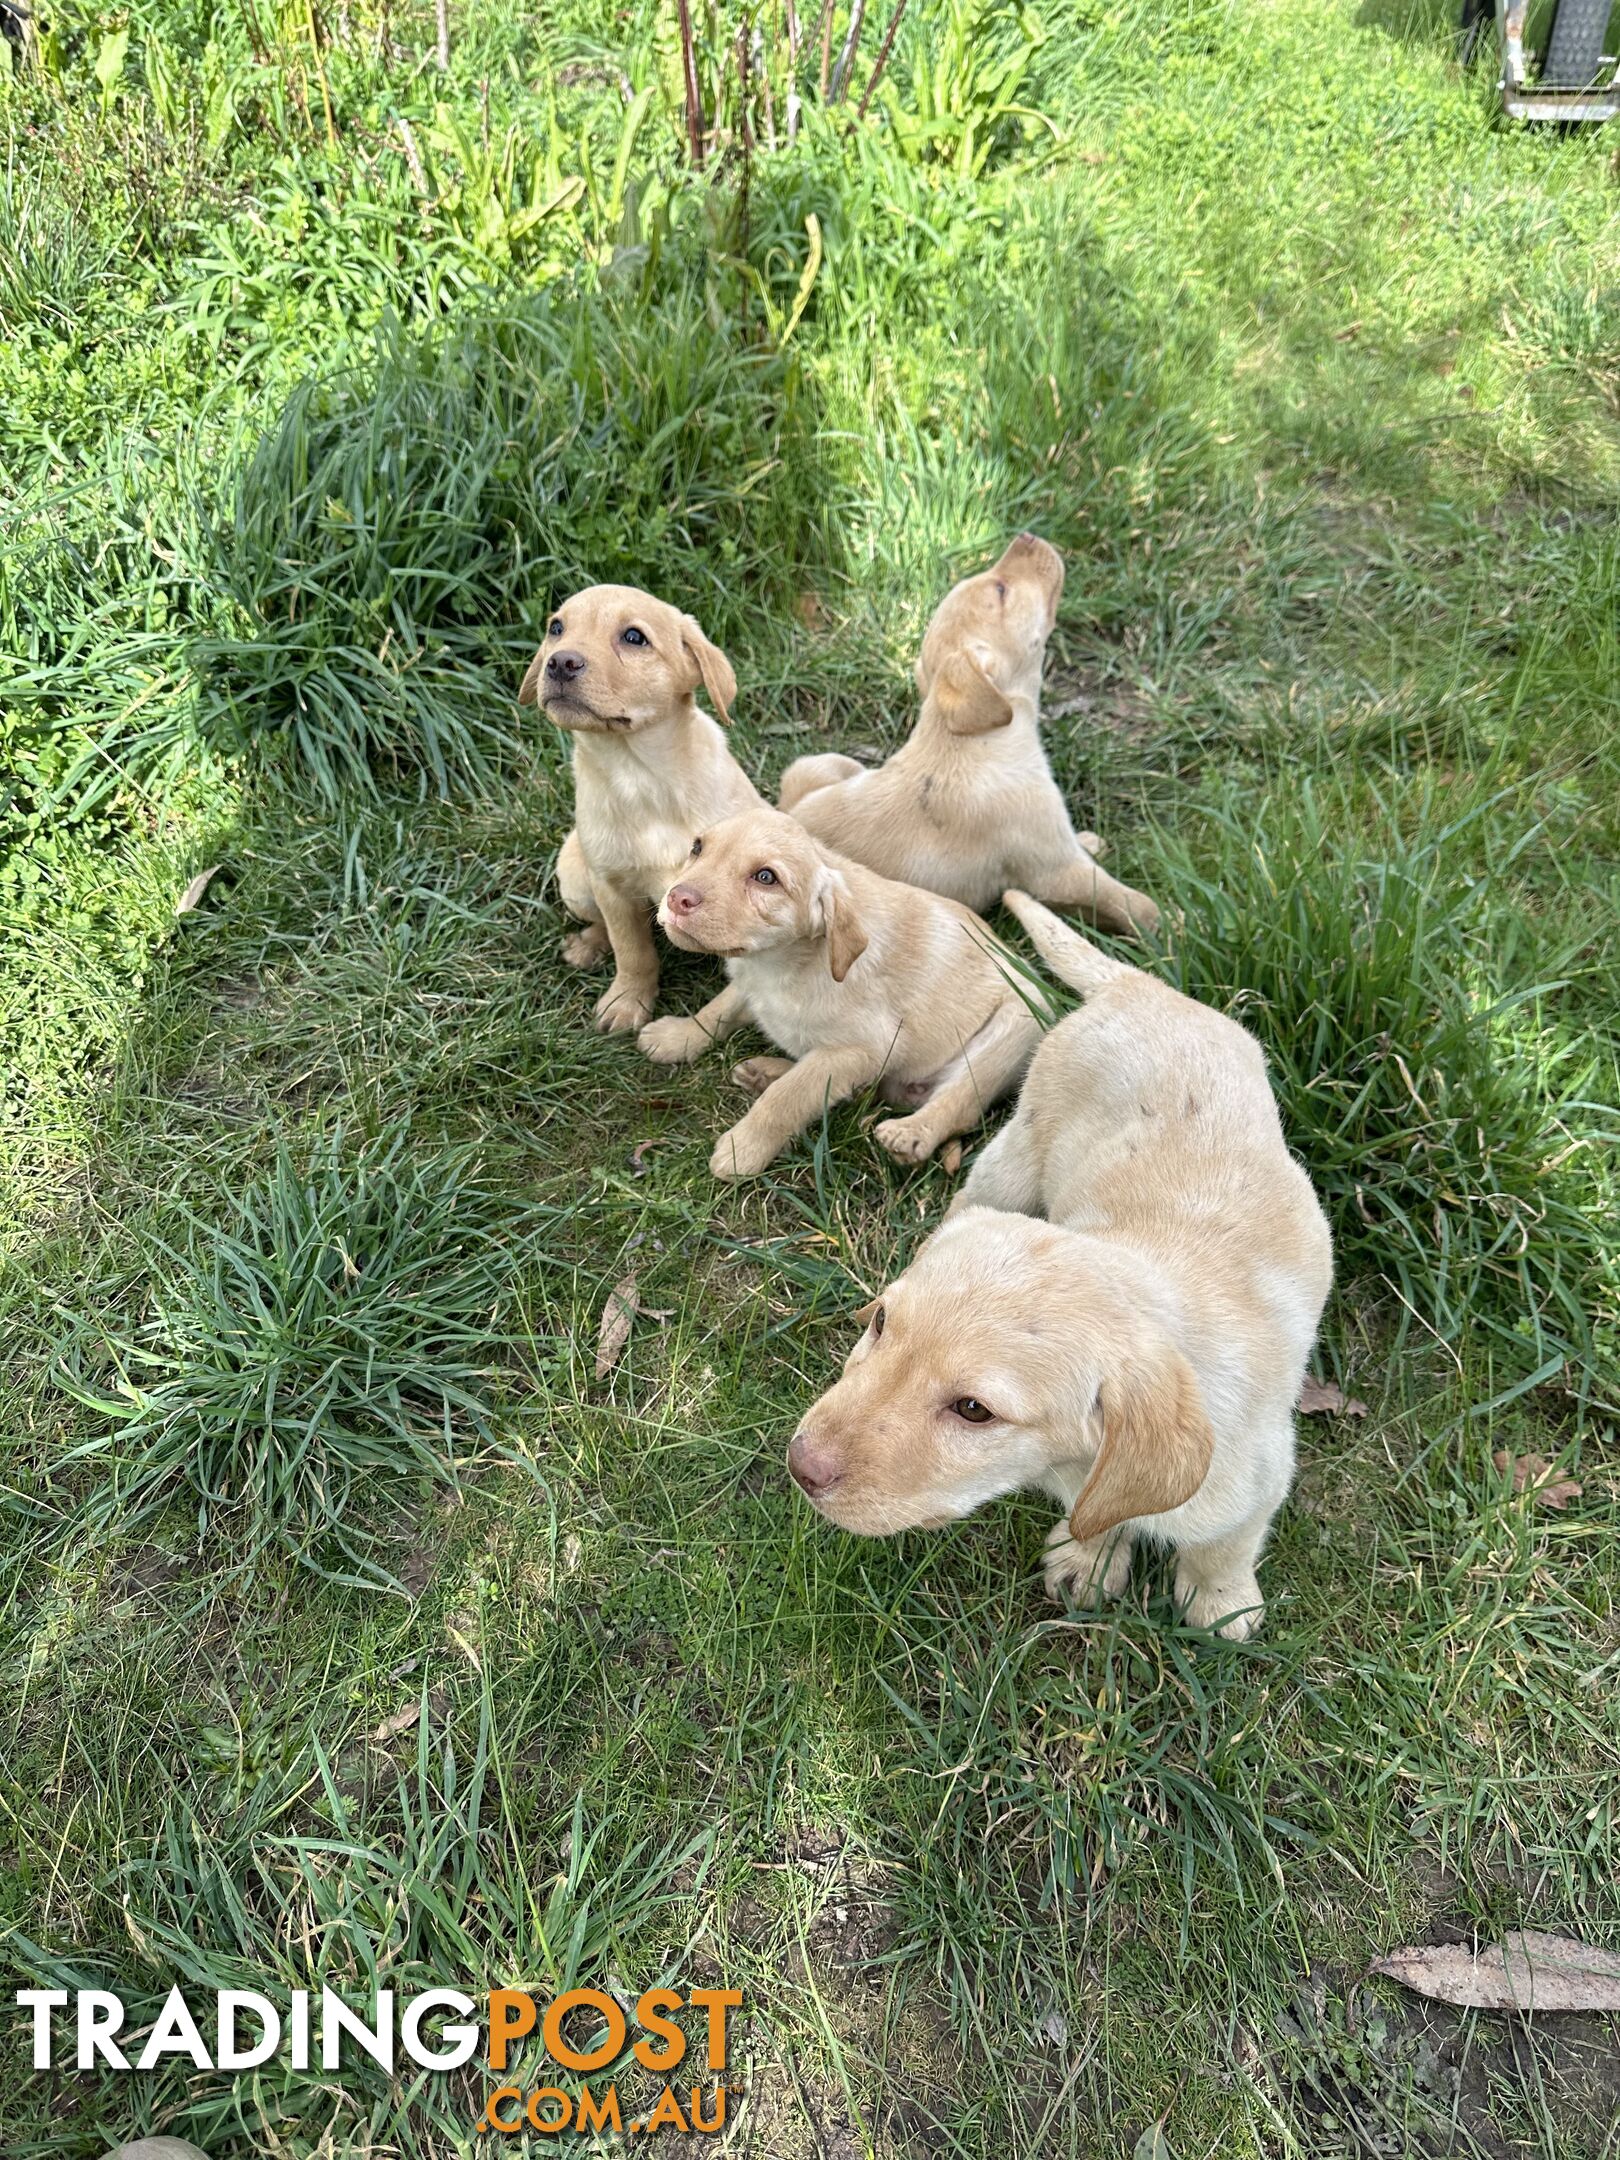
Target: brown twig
826 47
261 51
793 72
846 59
320 71
767 52
882 60
744 78
694 105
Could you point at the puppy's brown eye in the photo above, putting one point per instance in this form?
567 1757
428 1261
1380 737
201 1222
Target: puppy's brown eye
554 627
764 877
969 1407
697 849
633 636
877 1321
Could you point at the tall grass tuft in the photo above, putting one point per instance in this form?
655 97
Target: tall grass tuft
395 539
334 1320
1454 1133
289 1871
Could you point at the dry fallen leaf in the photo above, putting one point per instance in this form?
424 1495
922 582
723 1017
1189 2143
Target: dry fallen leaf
1535 1475
614 1331
621 1308
950 1157
401 1721
198 886
638 1156
1320 1398
1526 1972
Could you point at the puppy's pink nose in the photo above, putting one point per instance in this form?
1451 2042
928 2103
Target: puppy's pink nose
815 1469
683 900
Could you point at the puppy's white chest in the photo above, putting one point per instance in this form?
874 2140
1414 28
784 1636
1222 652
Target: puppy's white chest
645 850
635 828
796 1007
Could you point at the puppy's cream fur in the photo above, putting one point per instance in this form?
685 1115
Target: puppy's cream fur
650 770
1129 1283
861 981
968 806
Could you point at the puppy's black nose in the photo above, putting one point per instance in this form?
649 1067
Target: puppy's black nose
562 667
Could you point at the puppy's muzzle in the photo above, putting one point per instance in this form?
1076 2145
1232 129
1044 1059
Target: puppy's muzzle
813 1467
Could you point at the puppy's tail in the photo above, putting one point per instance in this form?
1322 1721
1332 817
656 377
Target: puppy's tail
1070 957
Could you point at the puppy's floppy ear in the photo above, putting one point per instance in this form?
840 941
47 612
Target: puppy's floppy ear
529 688
833 911
714 670
969 702
1157 1442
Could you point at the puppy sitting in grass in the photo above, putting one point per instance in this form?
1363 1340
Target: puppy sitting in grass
968 806
619 670
1131 1340
862 982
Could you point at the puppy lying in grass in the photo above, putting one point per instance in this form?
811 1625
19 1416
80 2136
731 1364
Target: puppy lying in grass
1131 1340
619 670
859 980
968 806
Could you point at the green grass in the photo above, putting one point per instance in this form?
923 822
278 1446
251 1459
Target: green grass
354 1629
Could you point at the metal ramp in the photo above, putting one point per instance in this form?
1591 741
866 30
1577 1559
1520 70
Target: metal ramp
1573 80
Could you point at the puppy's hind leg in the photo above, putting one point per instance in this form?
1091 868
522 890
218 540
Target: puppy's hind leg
1004 1175
806 774
589 947
1100 898
987 1068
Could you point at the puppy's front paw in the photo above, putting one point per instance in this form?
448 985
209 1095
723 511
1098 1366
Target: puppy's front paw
906 1138
586 948
740 1153
1233 1609
1085 1574
672 1040
624 1007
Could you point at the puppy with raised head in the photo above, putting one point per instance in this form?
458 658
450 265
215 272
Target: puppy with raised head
860 981
619 671
1117 1310
967 805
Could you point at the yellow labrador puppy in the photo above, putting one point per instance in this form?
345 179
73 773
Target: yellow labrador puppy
619 670
968 806
1131 1340
859 980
